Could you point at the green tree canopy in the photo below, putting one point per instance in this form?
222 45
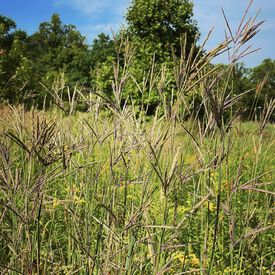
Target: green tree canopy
103 47
7 28
265 74
58 47
159 24
14 63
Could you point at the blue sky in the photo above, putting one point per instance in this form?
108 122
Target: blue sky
94 16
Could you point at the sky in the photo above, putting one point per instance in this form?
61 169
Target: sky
92 17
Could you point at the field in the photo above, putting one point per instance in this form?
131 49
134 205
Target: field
114 192
137 154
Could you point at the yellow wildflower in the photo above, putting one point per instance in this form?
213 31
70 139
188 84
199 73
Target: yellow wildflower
195 262
211 207
55 202
179 256
78 200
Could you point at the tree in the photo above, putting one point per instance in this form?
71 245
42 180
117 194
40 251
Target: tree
265 74
156 29
103 48
102 54
58 47
160 24
7 27
257 86
15 66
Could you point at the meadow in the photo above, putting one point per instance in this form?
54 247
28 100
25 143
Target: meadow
116 194
186 190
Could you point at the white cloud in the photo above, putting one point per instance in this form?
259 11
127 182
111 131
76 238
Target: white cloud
91 31
85 6
93 7
99 15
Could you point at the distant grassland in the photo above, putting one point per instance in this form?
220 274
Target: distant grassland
120 194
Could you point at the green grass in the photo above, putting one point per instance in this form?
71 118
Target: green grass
112 191
84 194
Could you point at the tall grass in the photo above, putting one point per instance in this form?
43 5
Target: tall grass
111 192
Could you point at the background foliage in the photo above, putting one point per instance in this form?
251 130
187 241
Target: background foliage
156 31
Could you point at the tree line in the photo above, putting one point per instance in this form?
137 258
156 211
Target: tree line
29 64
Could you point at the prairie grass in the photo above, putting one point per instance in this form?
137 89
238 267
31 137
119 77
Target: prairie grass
112 191
84 194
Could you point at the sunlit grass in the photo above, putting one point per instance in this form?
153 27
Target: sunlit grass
136 197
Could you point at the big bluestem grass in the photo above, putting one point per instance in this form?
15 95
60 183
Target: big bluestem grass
113 192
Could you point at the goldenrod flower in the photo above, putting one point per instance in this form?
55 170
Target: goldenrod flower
195 262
